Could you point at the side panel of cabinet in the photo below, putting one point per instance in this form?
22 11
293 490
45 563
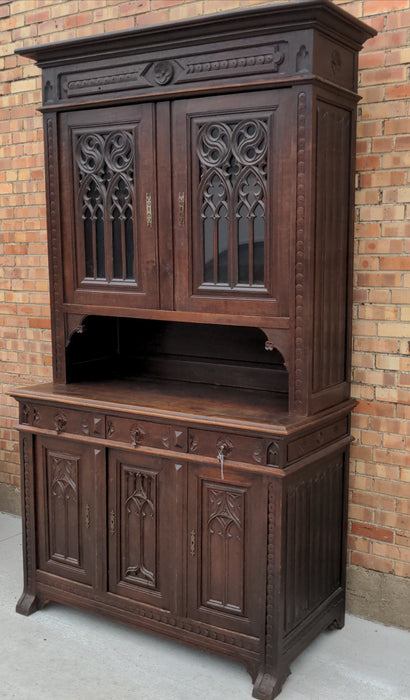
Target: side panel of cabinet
65 507
234 203
141 528
109 206
227 536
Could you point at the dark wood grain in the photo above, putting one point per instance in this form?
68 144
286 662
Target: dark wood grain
186 471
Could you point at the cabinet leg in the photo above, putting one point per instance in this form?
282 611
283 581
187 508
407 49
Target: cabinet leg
268 686
339 622
28 604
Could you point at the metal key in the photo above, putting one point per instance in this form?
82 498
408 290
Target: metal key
221 459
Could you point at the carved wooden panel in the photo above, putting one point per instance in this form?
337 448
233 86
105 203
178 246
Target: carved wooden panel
141 531
111 163
223 567
233 177
223 563
313 525
333 136
66 508
63 508
231 192
139 523
105 202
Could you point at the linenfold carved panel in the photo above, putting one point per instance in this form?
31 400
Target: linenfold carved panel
223 555
313 531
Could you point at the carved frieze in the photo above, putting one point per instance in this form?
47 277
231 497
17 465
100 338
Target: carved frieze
262 59
103 81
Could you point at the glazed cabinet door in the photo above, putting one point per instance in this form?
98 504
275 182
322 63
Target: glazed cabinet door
227 534
65 509
141 528
233 203
108 211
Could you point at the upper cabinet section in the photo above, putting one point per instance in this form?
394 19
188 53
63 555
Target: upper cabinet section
261 46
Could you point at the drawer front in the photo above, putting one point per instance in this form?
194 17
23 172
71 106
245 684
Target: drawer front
62 420
238 448
145 433
317 439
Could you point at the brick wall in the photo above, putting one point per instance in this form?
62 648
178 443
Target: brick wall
380 465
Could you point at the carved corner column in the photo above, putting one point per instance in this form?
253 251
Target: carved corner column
54 247
272 674
28 602
299 388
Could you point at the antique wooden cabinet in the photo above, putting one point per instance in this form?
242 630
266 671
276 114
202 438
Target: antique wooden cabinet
186 471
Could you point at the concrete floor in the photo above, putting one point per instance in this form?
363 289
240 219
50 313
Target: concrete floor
63 654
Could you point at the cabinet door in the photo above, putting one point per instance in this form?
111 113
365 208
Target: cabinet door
141 528
234 214
65 509
227 535
108 206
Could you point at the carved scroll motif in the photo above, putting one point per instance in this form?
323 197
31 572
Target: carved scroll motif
232 193
105 178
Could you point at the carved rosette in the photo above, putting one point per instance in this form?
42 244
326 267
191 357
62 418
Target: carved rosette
163 72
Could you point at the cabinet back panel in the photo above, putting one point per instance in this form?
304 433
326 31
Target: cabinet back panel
200 353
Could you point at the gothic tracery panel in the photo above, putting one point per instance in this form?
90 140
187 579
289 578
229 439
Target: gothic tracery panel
105 203
64 507
139 531
232 192
223 549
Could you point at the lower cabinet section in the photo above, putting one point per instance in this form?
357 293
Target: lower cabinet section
247 563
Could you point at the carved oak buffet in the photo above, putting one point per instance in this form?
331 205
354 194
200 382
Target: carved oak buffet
186 471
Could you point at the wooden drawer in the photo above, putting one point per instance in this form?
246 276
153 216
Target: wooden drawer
318 438
238 448
62 420
146 433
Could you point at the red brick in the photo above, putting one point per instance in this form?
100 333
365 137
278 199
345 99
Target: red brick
372 532
369 561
